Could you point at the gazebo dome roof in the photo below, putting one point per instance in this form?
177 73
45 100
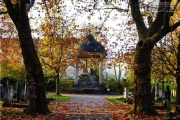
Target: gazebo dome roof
91 45
91 48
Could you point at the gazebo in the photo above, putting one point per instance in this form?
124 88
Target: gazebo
89 48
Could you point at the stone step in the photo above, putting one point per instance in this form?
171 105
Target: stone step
89 116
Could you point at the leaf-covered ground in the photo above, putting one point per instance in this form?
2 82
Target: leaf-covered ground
74 111
113 112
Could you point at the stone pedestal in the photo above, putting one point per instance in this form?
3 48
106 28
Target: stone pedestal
87 84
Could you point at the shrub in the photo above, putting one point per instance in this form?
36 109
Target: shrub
50 84
65 85
114 86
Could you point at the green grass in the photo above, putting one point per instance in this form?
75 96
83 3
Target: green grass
114 100
58 97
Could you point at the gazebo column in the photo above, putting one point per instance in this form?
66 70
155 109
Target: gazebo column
76 74
100 72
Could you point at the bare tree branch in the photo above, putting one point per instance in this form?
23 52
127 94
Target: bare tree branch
161 33
9 3
166 61
158 22
163 16
137 17
117 8
30 5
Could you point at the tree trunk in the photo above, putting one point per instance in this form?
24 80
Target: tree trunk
34 72
57 84
142 80
119 76
157 29
178 90
178 77
116 77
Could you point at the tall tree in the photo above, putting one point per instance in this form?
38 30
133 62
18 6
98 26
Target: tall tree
17 11
56 46
147 38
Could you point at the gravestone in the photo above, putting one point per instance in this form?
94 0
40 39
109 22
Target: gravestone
173 93
19 92
168 98
8 94
160 93
1 91
126 92
26 92
156 91
153 93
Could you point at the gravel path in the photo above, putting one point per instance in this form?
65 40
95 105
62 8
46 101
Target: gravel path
88 107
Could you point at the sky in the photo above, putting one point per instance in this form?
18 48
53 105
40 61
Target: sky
116 22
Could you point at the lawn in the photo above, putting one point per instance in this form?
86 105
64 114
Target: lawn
58 97
114 100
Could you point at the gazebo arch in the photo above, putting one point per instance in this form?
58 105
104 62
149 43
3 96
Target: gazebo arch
90 48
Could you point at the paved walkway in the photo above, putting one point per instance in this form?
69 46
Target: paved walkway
89 107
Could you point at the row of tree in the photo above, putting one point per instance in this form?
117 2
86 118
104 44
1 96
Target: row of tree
159 24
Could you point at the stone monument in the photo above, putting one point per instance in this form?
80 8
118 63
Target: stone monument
87 83
86 79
